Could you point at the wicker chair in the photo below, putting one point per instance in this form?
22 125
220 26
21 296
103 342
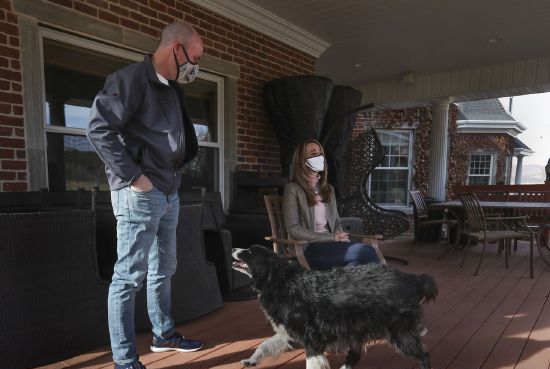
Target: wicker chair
361 157
507 228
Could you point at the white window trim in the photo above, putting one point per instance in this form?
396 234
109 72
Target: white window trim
410 168
491 171
135 57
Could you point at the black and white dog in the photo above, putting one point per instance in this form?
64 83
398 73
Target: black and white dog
338 310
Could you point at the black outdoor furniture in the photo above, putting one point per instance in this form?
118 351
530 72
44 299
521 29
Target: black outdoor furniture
220 237
53 294
363 155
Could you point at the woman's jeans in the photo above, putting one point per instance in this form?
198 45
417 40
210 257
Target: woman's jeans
330 254
146 247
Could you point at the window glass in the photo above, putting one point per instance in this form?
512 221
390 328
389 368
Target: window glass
201 99
389 182
480 169
73 164
202 171
73 76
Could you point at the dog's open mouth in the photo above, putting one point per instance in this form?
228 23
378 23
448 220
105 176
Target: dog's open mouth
241 266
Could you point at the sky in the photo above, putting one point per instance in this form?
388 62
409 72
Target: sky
533 111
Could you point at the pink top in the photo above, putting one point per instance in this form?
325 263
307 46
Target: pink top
321 222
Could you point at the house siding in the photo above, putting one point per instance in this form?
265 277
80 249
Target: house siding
260 57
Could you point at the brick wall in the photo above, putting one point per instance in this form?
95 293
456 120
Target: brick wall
13 164
419 117
261 59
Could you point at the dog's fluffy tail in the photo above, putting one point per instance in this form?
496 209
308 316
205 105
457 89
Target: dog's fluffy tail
427 288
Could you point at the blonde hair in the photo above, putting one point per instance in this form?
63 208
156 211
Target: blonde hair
300 173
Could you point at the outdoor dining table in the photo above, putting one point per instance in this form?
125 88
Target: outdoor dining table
507 207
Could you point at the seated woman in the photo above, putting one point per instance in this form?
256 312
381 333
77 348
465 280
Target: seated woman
310 213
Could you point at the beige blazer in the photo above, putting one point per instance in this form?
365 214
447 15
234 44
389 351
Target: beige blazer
300 218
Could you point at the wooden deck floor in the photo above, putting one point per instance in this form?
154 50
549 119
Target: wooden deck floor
498 319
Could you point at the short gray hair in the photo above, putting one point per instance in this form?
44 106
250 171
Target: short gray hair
176 31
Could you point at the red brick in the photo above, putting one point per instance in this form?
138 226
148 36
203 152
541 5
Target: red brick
14 41
119 10
157 6
6 131
108 16
139 17
10 74
13 164
150 31
66 3
9 52
7 154
14 186
10 97
11 18
99 3
15 143
7 176
16 87
9 29
19 132
8 120
148 11
17 109
4 108
170 3
20 154
129 24
87 9
22 176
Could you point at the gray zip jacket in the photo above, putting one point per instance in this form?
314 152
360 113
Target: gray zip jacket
300 218
138 125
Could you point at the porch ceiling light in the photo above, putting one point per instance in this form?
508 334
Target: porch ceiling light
495 40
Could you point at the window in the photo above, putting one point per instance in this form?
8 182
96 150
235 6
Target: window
204 100
481 169
74 71
389 182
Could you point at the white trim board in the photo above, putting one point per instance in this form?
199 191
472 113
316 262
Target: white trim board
261 20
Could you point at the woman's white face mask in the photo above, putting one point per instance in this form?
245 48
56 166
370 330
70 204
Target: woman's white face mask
316 163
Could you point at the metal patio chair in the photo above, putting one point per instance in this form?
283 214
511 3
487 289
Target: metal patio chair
506 228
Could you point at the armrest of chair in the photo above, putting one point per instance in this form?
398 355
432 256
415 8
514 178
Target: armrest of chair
286 241
299 247
371 239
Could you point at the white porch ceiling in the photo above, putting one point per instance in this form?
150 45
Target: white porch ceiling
389 37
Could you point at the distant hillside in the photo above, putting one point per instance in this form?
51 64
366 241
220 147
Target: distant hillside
531 174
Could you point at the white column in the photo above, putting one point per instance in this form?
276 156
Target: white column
519 167
437 175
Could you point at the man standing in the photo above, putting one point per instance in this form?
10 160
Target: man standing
140 128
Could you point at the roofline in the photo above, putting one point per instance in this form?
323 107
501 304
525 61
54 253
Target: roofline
511 127
261 20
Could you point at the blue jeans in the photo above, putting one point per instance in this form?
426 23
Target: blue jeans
330 254
146 247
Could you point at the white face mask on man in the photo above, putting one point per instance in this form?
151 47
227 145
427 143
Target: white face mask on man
316 163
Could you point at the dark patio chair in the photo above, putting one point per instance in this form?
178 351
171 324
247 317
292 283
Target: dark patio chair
423 222
504 228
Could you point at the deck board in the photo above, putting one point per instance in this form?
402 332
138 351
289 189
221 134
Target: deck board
498 319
